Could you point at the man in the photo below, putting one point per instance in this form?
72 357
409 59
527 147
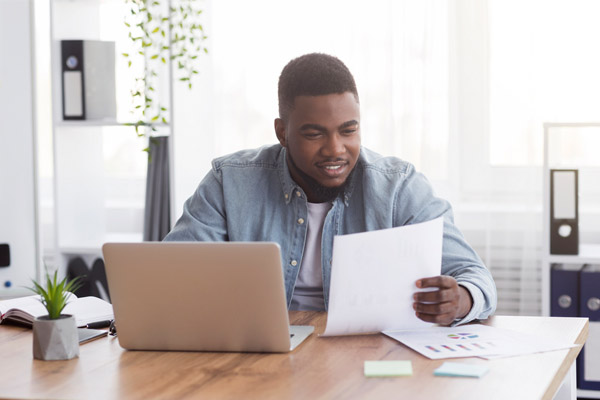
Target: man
319 182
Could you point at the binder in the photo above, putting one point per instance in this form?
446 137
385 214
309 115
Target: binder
73 83
564 290
588 362
4 255
88 80
589 305
564 211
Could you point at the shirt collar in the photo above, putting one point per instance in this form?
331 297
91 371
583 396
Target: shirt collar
290 188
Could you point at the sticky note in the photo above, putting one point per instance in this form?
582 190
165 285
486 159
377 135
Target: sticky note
387 368
461 369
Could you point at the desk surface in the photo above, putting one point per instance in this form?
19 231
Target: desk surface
319 368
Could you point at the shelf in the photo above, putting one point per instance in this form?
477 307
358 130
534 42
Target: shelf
102 122
96 247
588 254
588 394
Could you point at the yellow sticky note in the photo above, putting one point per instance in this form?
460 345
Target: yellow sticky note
387 368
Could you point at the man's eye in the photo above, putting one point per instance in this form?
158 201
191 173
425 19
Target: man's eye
348 131
312 135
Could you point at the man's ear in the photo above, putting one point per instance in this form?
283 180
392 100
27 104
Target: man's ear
280 131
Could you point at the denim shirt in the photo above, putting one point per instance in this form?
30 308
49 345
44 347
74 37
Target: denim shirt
250 196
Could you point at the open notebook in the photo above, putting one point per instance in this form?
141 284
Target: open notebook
86 310
200 296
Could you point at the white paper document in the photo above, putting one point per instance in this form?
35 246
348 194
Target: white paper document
373 277
483 341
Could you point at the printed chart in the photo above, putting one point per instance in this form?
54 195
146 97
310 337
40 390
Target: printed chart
463 336
462 346
472 341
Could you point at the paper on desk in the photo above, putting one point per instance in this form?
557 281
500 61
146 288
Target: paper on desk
461 370
373 277
387 368
437 342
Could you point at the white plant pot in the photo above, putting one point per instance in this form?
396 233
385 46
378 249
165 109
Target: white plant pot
55 339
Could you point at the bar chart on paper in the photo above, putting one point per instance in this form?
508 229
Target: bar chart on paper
472 341
460 344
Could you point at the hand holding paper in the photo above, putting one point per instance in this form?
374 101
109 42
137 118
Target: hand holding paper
444 305
374 274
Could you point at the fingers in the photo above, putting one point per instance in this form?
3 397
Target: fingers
437 296
442 313
438 306
435 309
442 281
441 319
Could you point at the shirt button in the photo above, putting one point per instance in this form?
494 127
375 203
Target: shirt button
286 196
298 194
300 221
294 263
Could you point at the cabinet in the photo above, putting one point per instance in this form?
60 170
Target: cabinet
99 165
573 146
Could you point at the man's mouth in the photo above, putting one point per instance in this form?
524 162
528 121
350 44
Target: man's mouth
333 169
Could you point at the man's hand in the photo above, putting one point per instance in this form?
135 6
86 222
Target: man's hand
444 305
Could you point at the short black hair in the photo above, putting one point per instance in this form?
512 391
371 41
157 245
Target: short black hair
313 74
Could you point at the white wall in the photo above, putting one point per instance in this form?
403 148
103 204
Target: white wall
18 215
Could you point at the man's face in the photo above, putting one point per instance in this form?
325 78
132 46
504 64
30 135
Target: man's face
322 138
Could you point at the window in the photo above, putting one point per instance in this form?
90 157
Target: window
544 67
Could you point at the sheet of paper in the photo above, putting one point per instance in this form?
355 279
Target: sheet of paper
89 309
439 342
461 370
386 368
373 277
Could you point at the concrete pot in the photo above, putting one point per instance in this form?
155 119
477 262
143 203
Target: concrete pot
55 339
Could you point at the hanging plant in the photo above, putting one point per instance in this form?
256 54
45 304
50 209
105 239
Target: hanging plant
161 32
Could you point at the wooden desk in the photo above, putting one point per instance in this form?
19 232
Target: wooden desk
323 368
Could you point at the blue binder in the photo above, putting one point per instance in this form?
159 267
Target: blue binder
564 290
589 306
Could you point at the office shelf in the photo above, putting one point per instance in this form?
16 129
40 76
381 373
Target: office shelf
101 123
96 197
94 247
588 254
588 394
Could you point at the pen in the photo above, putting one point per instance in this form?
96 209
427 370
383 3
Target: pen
98 324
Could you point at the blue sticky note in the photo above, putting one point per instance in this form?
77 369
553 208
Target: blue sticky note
461 369
387 368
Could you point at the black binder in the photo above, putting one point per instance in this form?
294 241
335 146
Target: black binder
564 211
564 290
4 255
73 80
589 306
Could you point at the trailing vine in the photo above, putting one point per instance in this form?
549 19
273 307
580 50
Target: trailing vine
161 31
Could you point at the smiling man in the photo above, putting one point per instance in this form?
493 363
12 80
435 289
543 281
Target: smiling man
319 182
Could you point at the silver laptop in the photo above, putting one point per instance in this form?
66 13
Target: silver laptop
200 296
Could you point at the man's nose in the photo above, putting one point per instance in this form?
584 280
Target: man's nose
334 146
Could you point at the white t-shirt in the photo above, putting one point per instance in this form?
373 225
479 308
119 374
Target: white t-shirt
308 293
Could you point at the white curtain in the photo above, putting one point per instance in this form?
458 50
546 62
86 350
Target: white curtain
438 85
397 51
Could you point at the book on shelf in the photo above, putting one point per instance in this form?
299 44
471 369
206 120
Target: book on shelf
86 310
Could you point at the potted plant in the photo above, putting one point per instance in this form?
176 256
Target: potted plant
55 336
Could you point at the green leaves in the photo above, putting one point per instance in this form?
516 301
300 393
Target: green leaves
160 33
56 294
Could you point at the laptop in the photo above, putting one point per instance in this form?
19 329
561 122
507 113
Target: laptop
200 296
